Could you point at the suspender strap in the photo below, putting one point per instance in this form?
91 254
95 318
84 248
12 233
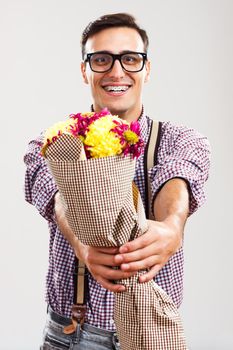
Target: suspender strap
80 296
150 160
79 282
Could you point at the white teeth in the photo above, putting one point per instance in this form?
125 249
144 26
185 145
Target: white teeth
116 88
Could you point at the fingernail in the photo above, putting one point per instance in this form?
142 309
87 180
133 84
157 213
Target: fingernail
123 250
124 266
115 250
142 279
118 258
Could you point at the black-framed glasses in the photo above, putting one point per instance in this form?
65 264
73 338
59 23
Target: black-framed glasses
102 61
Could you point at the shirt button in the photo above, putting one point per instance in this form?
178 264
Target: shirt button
111 322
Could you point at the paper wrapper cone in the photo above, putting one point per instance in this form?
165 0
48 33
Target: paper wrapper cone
96 193
147 318
104 209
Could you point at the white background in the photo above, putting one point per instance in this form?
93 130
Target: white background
191 48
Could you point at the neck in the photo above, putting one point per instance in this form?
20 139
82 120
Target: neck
126 115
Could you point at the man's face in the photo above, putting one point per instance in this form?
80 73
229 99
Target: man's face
128 102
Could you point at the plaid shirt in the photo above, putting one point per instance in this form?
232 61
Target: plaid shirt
182 153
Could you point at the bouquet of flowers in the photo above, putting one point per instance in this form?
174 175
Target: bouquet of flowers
101 133
92 159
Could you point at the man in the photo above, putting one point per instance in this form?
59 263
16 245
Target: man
115 66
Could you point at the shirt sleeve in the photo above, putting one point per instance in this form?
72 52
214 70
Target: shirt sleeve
40 186
183 153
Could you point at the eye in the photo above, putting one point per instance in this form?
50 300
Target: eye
101 59
131 59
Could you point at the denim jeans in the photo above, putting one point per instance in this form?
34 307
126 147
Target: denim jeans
88 338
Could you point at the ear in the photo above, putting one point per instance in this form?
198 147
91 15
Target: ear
147 76
83 70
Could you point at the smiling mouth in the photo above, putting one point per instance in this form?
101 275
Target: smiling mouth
116 88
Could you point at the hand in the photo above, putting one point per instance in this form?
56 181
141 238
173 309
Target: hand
151 250
100 262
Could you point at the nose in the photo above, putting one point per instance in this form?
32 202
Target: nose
116 71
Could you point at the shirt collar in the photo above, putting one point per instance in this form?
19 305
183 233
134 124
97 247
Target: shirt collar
144 122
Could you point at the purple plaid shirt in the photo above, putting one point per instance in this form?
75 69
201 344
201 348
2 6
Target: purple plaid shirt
182 153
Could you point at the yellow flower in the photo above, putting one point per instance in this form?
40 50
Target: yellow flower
54 131
101 140
131 137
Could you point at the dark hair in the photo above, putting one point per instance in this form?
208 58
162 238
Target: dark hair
111 21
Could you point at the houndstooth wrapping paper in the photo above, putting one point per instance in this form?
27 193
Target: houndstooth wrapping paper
102 208
96 193
147 317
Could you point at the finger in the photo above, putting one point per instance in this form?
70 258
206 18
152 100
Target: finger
107 250
141 264
113 274
116 288
109 273
100 258
138 243
150 274
139 254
